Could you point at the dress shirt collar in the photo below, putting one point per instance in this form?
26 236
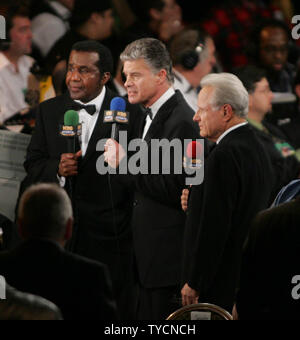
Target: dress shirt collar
23 62
161 101
230 130
186 86
3 61
98 101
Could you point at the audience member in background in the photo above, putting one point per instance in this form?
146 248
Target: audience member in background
193 57
26 307
15 64
90 20
230 22
50 21
81 288
269 284
159 19
236 186
270 50
285 160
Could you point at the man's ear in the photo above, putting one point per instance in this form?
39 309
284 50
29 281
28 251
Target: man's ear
228 112
162 75
105 78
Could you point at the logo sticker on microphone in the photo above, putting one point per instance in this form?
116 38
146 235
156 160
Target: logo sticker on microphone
116 117
71 131
108 117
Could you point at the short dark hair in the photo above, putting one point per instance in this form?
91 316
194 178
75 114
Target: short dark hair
83 9
250 75
105 63
44 211
17 9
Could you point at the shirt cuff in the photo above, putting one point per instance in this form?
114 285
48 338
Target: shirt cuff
61 181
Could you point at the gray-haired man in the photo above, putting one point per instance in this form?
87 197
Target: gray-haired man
158 222
236 186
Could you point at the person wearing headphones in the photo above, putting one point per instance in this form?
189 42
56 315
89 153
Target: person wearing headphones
193 56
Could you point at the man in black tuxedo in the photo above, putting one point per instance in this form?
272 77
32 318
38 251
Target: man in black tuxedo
81 288
158 222
237 184
102 223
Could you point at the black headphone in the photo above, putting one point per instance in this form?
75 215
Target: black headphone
5 44
190 59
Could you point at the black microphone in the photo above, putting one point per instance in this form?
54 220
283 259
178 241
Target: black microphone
71 130
116 116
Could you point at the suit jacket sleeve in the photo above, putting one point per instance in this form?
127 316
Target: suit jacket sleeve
39 165
219 194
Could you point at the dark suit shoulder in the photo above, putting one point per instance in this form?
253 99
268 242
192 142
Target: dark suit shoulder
56 101
84 262
181 109
180 116
239 137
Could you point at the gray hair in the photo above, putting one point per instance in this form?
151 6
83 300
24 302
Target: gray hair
45 210
228 90
155 54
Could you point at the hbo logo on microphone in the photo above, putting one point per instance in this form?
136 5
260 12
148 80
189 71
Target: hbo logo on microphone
2 27
2 288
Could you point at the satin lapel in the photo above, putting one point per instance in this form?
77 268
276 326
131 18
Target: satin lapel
101 130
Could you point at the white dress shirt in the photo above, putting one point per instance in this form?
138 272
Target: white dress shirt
88 125
88 122
229 130
189 93
156 106
47 28
13 85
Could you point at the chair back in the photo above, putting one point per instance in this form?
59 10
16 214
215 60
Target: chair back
201 311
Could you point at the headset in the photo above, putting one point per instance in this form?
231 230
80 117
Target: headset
190 58
5 44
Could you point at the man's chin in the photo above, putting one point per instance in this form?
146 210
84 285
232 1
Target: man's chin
76 95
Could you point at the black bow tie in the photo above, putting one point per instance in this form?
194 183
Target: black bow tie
149 113
90 109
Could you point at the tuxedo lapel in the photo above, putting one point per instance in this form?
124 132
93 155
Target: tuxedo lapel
161 117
